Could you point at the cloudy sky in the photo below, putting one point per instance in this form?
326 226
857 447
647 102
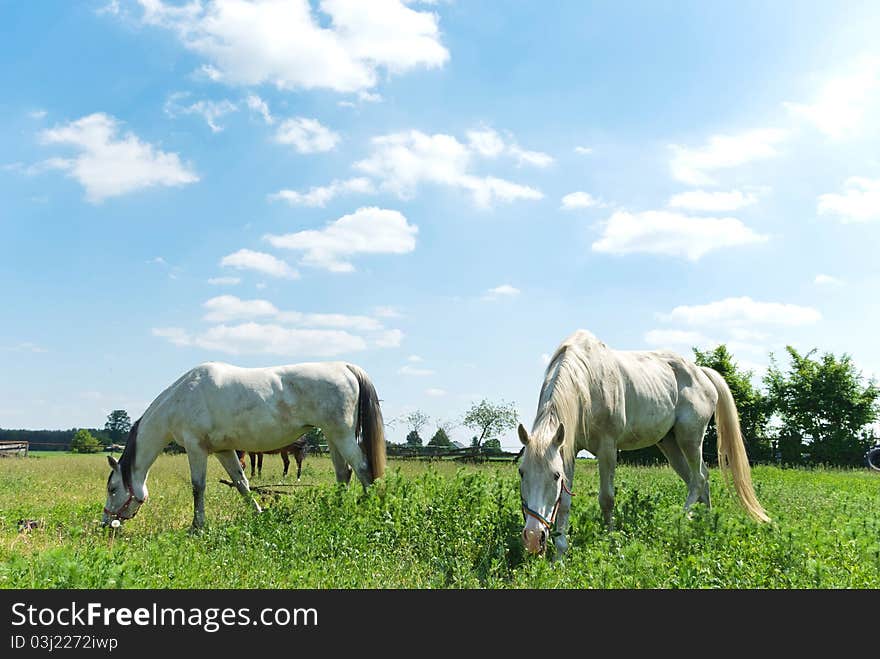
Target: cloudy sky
440 192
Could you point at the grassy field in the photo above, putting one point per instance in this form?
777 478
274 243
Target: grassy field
432 525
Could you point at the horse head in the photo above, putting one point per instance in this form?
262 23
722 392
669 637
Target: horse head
123 501
542 483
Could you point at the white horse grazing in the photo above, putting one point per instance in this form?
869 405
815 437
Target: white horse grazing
217 408
605 400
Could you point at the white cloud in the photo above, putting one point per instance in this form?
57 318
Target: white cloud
694 165
525 157
414 359
111 8
840 107
246 259
713 202
258 105
108 165
667 338
672 234
332 320
26 346
503 291
264 328
306 135
228 307
284 42
735 311
545 358
224 281
747 334
210 111
176 335
486 142
580 199
387 312
827 280
408 369
37 114
435 393
859 202
366 231
319 196
259 338
388 339
489 144
583 150
404 161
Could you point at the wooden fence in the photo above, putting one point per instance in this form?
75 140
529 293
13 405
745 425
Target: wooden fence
13 449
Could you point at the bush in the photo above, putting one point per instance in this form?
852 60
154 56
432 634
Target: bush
84 442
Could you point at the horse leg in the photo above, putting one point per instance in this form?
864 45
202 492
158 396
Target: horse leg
669 448
259 464
236 473
690 442
253 462
561 540
299 464
343 471
607 456
354 456
286 461
198 469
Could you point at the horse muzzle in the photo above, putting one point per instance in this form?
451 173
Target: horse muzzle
534 539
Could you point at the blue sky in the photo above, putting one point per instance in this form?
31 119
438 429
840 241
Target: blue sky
440 192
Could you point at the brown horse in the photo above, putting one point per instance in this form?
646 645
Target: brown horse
299 448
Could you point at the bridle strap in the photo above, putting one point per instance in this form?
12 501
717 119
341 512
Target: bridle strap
124 507
528 512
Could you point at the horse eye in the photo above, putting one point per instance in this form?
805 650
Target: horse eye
556 476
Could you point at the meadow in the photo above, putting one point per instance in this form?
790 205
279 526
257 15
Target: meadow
433 525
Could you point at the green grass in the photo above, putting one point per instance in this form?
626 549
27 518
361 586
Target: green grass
433 525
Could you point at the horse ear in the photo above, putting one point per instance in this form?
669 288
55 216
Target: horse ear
523 435
559 437
112 461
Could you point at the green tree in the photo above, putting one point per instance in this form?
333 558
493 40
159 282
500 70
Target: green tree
440 438
492 445
823 401
750 403
117 426
413 439
315 440
490 419
84 442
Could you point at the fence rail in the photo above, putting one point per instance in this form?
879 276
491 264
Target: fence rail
13 449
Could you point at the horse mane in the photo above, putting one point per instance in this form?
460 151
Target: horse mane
565 395
126 460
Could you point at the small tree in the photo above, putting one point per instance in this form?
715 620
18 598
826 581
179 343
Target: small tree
413 439
84 442
824 402
492 445
490 419
117 426
415 420
440 438
315 440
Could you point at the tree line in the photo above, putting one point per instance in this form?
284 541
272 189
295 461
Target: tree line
79 440
488 420
816 409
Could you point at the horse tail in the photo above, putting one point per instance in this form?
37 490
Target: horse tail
732 455
369 426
